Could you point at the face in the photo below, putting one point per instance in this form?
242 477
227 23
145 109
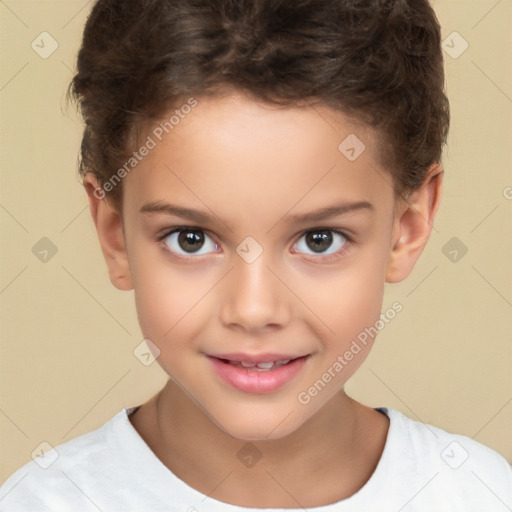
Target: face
280 255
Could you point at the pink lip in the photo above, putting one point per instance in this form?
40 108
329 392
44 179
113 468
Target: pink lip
254 381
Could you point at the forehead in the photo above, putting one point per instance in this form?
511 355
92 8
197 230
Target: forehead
232 150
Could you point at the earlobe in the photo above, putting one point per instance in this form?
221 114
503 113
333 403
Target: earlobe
412 226
109 226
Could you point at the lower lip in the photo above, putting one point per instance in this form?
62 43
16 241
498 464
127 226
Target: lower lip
254 381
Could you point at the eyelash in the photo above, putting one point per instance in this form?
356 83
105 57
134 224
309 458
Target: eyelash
346 246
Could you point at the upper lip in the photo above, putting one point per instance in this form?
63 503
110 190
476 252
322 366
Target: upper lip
256 358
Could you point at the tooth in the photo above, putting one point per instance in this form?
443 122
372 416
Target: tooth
261 366
265 366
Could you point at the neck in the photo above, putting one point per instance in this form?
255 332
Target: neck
330 451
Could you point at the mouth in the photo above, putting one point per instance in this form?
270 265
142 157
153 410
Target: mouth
257 374
261 366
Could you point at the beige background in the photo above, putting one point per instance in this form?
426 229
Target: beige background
67 362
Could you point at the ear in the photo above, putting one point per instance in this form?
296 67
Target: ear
109 226
413 222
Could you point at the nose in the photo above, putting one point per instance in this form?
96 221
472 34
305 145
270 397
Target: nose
254 296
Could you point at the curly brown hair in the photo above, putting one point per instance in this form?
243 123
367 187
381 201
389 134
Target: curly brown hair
379 61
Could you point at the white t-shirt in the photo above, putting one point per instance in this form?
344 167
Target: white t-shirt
112 469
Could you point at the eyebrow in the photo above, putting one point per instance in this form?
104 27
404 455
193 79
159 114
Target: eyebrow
203 217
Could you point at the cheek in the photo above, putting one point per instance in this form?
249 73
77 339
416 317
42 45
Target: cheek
167 311
165 296
349 298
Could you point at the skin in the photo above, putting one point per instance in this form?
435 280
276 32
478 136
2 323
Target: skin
251 165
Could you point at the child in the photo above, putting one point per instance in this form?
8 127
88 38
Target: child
297 145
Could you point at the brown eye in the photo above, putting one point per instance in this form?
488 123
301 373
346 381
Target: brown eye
189 242
320 241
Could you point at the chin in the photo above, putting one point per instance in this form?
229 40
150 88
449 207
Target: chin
264 427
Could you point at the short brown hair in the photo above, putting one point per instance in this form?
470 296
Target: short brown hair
377 60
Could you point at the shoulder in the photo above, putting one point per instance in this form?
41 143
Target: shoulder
451 464
57 478
456 451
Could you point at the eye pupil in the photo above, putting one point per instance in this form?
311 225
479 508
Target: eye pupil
320 240
191 241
